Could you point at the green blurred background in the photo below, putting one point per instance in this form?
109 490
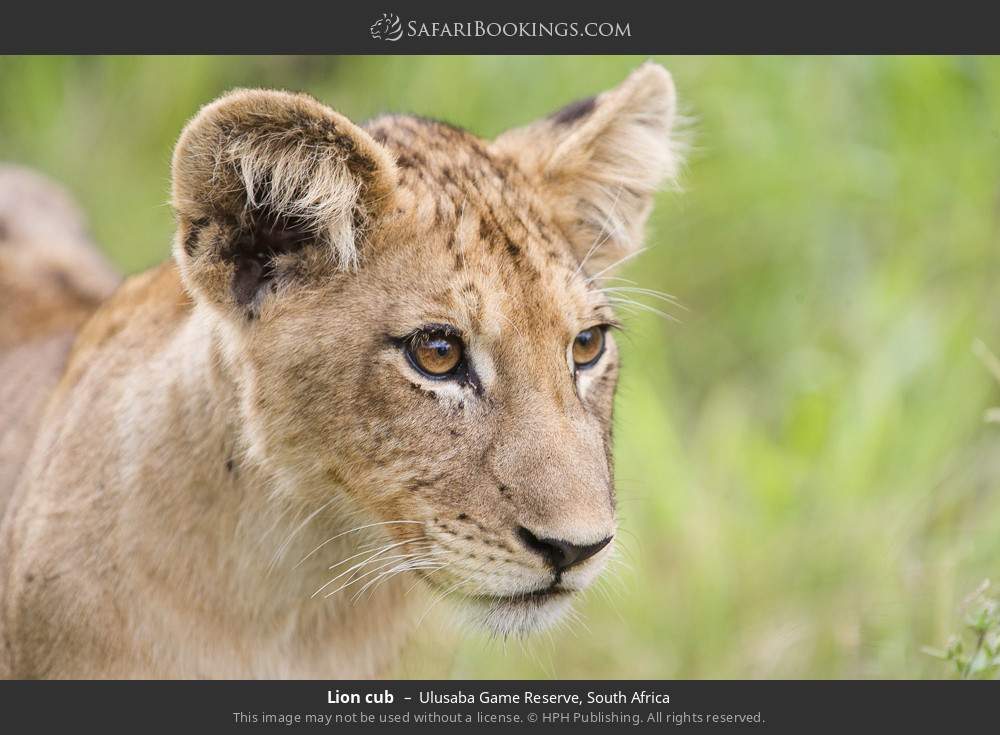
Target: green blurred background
808 485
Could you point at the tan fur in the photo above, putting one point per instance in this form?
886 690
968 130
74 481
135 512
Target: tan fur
51 280
232 425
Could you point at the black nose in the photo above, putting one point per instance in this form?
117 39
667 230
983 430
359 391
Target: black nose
560 554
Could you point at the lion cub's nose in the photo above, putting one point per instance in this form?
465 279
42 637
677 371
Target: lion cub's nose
560 554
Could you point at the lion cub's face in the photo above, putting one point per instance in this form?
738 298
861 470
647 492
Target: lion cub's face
417 322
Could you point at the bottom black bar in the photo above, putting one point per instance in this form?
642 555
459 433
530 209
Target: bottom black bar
455 706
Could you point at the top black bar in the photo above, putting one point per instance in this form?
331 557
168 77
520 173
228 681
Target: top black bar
448 27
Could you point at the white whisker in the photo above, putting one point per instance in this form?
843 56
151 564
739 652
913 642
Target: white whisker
358 577
353 530
359 565
604 235
279 552
629 303
623 259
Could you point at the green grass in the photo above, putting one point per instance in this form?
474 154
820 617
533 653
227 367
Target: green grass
808 486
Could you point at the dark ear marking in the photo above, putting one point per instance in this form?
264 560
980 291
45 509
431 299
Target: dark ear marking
574 111
254 254
248 272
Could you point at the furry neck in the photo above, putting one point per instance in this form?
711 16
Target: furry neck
266 571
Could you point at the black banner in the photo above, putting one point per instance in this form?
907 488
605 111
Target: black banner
450 27
243 707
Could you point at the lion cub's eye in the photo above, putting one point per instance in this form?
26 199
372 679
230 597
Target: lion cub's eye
435 353
588 347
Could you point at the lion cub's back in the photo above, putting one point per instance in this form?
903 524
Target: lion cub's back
51 280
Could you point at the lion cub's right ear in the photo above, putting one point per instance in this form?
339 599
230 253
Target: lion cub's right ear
268 186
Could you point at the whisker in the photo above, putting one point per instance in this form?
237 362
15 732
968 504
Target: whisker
358 577
371 547
618 262
353 530
417 561
652 293
415 583
645 307
279 552
604 235
359 565
616 278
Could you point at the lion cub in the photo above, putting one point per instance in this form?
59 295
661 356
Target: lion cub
381 358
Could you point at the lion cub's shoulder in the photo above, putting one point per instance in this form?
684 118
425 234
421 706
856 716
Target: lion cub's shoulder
141 315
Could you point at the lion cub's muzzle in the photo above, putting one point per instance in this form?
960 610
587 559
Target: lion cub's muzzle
514 579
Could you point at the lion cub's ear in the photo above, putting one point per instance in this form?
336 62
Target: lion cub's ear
268 186
601 160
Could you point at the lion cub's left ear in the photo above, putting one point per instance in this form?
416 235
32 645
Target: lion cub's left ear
269 187
601 160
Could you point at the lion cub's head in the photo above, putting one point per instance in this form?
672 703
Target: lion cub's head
415 320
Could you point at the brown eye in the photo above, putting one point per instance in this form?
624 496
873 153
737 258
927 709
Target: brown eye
435 353
588 347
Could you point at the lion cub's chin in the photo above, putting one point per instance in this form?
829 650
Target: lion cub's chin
517 615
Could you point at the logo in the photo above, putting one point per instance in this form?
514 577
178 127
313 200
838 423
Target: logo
387 28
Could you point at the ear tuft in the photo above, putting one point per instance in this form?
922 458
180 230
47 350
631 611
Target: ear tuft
260 175
602 159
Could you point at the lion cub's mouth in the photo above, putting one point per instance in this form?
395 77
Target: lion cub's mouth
522 614
514 593
543 594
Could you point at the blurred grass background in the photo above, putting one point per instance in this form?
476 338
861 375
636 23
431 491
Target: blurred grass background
807 484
